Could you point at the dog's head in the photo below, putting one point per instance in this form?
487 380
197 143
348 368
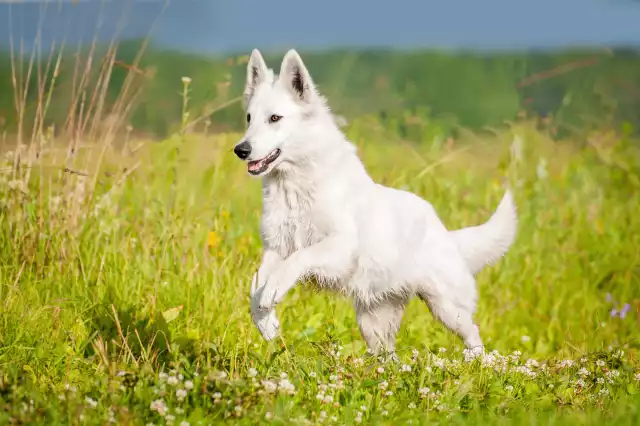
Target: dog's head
278 110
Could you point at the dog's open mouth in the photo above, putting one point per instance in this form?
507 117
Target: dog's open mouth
260 166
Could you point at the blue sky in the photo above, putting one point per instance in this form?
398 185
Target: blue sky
219 26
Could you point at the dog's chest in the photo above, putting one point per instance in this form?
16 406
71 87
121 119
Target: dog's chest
288 223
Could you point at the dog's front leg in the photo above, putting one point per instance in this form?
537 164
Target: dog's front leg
266 321
329 259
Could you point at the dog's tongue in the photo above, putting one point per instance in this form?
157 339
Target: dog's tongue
255 165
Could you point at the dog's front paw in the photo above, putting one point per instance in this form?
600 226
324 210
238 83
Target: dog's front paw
267 323
265 320
267 298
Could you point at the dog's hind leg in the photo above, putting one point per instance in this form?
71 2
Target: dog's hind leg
379 324
456 313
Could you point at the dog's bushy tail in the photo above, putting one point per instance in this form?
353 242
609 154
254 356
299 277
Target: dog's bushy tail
485 244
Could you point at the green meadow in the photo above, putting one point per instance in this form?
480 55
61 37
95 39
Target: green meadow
129 233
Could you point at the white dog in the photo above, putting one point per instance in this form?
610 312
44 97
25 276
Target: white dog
324 218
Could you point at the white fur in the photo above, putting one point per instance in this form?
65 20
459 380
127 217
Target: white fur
324 218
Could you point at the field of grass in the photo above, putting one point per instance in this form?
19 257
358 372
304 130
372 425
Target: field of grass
125 265
125 289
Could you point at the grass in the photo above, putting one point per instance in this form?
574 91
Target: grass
130 304
125 266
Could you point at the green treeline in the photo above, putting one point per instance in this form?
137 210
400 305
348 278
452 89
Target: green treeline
579 89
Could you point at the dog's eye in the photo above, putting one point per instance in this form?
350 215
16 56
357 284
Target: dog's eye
248 118
274 118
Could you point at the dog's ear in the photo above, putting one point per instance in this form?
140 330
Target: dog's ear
256 74
297 77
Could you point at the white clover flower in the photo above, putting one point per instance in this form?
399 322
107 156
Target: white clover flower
181 394
188 385
583 372
269 386
160 407
424 392
287 387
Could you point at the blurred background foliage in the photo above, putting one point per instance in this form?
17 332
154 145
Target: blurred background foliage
414 93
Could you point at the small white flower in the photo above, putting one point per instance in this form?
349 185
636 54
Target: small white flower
508 388
252 372
185 423
380 370
383 385
287 387
181 394
333 378
525 339
385 413
638 376
424 392
313 375
388 393
411 406
269 386
442 350
170 418
268 415
583 372
217 395
159 406
172 380
92 402
405 368
566 363
186 80
600 363
188 385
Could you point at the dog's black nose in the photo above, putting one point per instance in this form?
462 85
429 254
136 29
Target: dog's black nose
243 150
